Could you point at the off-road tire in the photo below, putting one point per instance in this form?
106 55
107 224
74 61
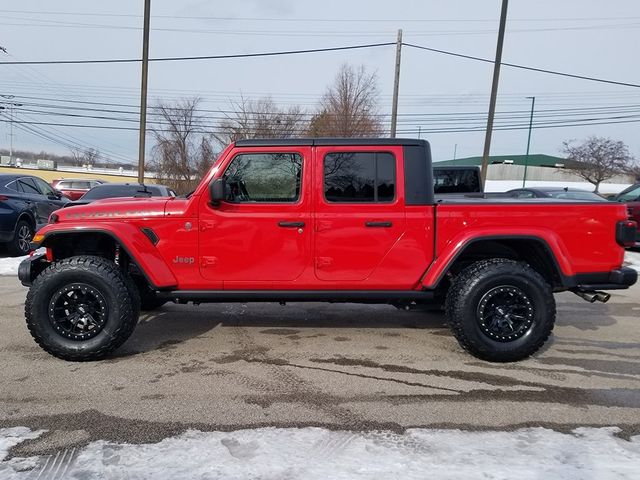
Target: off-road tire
466 299
102 276
20 244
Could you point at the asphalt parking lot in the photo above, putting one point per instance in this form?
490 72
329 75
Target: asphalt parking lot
358 367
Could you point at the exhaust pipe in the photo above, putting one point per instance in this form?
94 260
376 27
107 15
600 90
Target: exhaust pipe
588 296
592 296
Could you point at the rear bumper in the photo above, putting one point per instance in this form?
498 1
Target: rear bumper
618 279
31 267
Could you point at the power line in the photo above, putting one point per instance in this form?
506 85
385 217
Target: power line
524 67
525 125
200 57
332 20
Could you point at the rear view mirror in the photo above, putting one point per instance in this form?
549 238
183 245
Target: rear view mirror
217 190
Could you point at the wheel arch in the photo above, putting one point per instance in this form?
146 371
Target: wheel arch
28 216
533 250
105 243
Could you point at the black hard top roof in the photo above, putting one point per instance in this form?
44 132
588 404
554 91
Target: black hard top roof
277 142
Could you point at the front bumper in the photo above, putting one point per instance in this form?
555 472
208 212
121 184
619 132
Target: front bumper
31 267
618 279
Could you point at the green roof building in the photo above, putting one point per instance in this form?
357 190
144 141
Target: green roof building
535 160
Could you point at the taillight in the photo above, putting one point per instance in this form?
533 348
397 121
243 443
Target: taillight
626 233
3 197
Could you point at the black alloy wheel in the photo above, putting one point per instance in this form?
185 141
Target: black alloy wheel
78 311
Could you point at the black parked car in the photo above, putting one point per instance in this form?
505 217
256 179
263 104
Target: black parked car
113 190
556 192
25 205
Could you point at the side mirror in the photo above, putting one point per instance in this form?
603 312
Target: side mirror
217 190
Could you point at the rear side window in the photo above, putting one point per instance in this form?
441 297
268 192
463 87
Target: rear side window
28 186
264 177
364 177
12 186
80 185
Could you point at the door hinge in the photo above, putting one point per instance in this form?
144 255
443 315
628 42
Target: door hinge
322 262
206 225
322 225
208 261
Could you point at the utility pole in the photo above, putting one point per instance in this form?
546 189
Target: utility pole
419 131
396 86
455 150
143 91
526 158
494 93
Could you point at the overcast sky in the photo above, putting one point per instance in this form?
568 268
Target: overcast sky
585 37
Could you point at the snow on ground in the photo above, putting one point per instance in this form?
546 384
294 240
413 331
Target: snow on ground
9 265
316 453
632 259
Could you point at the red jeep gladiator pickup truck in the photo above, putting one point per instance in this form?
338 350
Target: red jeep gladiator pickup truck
334 220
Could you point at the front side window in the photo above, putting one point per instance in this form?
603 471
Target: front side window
44 187
365 177
264 178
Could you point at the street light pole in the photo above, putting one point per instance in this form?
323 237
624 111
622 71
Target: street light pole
526 158
11 105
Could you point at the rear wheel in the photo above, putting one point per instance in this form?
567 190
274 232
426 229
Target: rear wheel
21 243
81 308
500 310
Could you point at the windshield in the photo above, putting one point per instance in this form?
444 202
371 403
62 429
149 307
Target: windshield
573 195
110 191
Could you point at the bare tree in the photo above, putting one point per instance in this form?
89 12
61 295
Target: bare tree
349 108
183 151
634 170
260 118
597 159
85 156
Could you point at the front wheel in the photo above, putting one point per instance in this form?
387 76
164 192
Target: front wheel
21 243
500 310
81 308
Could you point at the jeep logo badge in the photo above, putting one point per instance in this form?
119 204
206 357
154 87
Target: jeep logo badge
185 260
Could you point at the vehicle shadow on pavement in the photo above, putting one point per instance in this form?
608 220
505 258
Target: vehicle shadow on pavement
174 324
590 316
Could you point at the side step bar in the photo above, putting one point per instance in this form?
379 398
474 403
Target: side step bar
336 296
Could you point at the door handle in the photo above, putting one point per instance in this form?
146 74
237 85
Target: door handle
378 224
291 224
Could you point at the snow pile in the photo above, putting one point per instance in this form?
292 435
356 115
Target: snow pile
632 259
9 265
316 453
